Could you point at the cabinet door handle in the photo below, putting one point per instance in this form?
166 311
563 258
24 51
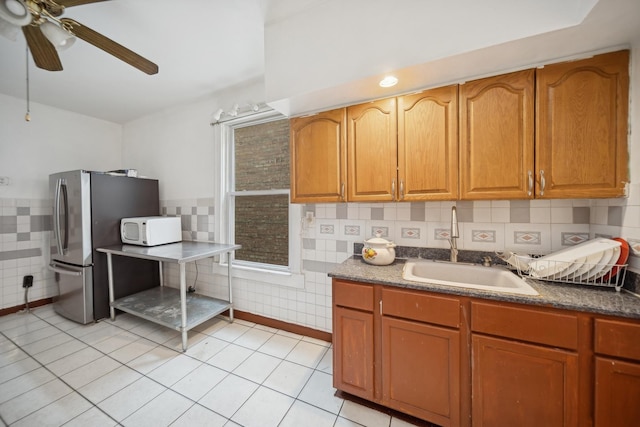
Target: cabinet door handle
380 307
393 189
530 183
543 182
401 189
342 191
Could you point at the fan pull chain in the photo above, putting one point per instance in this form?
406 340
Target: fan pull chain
27 116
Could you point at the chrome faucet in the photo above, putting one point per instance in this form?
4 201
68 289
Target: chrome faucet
455 233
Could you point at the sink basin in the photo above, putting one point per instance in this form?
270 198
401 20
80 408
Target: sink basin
496 279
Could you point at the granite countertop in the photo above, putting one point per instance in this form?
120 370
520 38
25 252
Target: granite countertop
560 295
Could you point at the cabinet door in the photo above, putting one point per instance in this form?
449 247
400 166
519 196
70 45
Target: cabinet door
497 136
516 384
353 352
318 157
421 370
428 145
372 151
581 134
617 392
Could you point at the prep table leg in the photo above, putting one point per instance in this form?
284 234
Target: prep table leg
112 311
183 305
230 292
161 276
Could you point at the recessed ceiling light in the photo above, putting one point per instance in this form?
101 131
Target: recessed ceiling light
388 81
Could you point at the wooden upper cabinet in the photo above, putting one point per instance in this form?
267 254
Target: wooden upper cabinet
372 151
497 137
318 157
428 145
581 134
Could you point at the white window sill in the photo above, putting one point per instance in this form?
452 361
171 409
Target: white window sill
261 275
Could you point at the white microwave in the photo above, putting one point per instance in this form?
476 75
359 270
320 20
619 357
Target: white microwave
150 230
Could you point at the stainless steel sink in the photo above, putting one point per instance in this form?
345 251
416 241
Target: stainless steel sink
494 278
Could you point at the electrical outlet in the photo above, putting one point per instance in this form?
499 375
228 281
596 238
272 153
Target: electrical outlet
309 219
5 180
27 281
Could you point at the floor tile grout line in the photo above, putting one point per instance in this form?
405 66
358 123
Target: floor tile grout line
56 377
282 359
144 374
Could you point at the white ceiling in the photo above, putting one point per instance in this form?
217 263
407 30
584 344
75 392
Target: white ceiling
205 46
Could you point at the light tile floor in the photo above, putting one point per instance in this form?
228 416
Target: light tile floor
131 372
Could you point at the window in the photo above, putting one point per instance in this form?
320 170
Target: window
254 198
260 192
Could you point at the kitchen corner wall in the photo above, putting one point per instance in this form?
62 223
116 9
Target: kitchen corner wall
53 141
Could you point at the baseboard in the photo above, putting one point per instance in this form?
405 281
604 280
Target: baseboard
279 324
32 304
243 315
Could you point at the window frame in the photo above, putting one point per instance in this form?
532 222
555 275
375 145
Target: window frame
291 275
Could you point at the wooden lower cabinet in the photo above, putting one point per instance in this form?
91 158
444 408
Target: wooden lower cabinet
353 347
404 354
421 370
353 339
617 393
617 376
461 361
518 384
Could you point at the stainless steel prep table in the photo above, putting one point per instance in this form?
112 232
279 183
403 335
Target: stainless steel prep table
160 304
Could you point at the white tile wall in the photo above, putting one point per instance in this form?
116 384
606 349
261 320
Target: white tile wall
333 237
12 268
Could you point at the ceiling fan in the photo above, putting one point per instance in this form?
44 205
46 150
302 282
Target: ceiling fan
46 32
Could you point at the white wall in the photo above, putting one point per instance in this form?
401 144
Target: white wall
53 141
176 146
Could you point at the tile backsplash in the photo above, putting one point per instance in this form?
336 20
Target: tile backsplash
25 226
531 226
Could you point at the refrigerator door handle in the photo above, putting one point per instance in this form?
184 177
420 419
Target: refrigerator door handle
61 270
60 193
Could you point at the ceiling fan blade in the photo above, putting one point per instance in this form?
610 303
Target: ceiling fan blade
43 52
109 46
70 3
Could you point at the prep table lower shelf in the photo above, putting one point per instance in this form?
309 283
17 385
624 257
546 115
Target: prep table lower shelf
162 305
167 306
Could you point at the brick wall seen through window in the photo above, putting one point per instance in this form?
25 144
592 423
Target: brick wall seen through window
262 163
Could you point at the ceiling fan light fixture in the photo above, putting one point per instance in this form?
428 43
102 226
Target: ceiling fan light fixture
58 37
15 12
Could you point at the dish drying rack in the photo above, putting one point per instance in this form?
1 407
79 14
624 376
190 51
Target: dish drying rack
578 273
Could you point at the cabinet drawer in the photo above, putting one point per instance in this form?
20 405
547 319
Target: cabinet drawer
353 295
616 338
420 306
538 326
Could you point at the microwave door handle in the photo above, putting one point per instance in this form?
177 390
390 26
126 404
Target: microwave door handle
56 216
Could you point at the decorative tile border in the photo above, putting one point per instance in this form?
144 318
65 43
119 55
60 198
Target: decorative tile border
351 230
483 236
571 239
410 233
382 231
442 233
327 229
527 237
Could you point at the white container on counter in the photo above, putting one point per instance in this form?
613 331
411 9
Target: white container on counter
378 251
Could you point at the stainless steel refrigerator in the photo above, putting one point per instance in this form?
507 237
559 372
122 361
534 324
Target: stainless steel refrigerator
87 209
